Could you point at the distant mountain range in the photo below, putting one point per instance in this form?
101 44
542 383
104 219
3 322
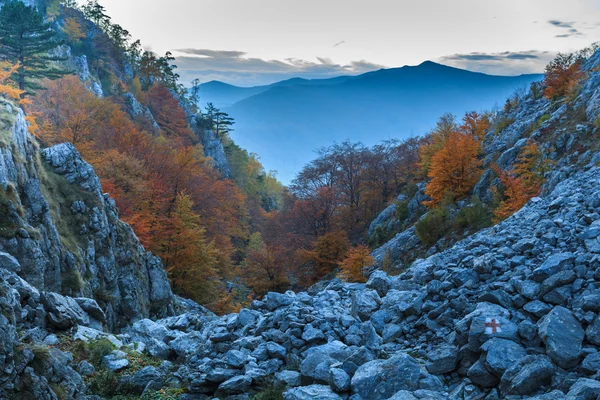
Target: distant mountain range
287 121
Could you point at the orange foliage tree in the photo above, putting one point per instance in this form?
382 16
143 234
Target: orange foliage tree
524 180
454 169
324 256
8 88
72 29
188 258
436 140
352 267
168 113
562 75
476 124
265 269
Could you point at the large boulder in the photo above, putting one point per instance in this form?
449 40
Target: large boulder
365 303
442 360
501 354
381 379
553 265
63 312
8 262
563 335
584 389
528 375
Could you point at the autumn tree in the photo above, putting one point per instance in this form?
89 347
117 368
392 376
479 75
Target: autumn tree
8 87
532 165
435 141
72 113
324 256
265 269
352 268
523 181
476 124
168 113
25 40
73 30
562 75
515 195
454 169
188 257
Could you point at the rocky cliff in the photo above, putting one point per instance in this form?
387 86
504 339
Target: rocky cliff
66 235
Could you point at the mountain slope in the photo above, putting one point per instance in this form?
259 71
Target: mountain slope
287 122
223 95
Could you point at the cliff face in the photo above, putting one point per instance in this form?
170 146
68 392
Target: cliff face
66 234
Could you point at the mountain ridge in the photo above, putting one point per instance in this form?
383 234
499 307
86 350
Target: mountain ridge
285 123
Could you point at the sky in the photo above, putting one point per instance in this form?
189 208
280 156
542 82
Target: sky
254 42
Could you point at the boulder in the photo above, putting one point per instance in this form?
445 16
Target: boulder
442 360
481 376
275 300
116 361
584 389
380 379
339 380
528 375
365 303
311 392
63 312
92 308
500 354
553 265
288 378
237 384
563 335
9 263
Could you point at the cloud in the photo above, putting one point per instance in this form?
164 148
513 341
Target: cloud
569 26
237 68
339 43
561 24
212 53
503 63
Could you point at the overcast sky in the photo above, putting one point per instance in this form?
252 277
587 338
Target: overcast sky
249 42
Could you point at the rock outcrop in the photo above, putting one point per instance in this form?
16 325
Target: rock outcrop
66 235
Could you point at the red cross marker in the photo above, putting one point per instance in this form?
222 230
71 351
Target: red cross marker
492 326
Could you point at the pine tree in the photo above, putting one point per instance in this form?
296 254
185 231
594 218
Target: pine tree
220 121
25 39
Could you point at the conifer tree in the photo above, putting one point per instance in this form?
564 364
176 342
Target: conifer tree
25 39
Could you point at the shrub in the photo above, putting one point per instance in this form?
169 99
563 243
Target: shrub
42 355
434 226
271 393
104 383
410 190
98 349
402 210
502 124
72 281
475 216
